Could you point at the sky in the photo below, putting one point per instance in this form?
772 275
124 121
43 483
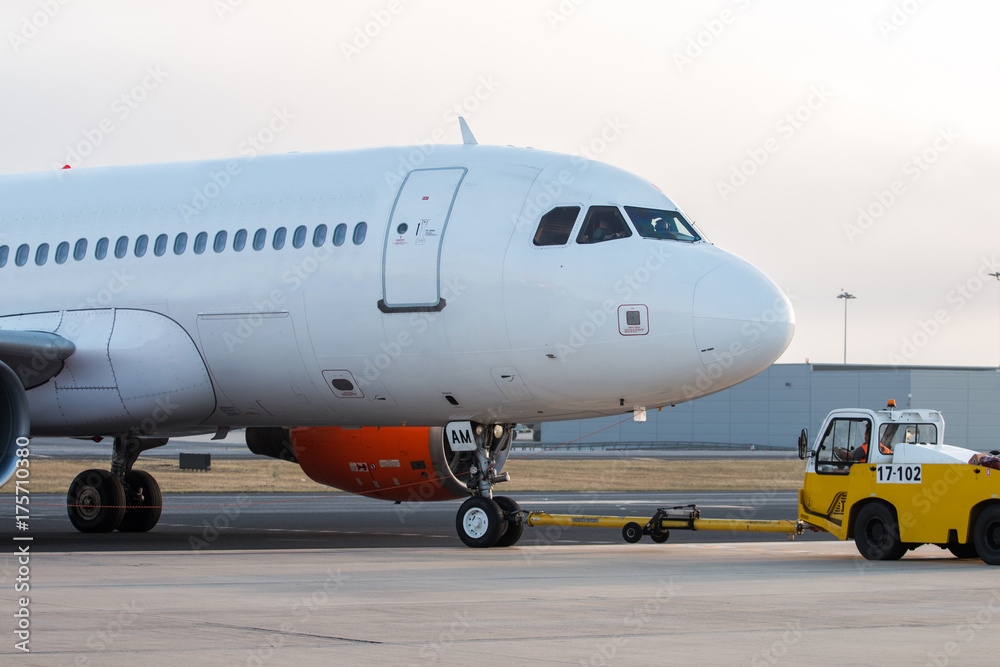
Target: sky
849 145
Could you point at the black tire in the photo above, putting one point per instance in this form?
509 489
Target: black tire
876 533
632 532
512 533
95 502
660 538
143 500
967 550
986 535
480 522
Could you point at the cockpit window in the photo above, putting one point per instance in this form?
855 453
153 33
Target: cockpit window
653 223
556 225
603 223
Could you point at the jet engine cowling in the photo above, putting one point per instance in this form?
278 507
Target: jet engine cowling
401 463
15 423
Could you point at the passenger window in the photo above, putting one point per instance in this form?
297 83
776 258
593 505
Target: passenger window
278 242
4 254
220 242
556 226
121 247
21 256
299 237
240 240
62 253
259 239
360 231
340 235
845 443
180 243
200 242
160 247
42 254
101 249
603 223
141 244
319 236
80 250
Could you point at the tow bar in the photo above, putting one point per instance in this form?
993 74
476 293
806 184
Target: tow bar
681 517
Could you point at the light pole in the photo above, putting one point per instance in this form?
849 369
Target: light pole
847 296
997 276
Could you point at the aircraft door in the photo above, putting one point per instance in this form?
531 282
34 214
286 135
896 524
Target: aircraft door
411 260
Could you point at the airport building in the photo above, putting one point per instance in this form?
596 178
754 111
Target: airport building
770 410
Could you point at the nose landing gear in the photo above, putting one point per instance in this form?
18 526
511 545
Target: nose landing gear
483 520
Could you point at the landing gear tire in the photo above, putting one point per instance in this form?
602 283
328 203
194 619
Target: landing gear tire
144 502
660 538
986 535
632 532
480 522
967 550
876 533
512 533
95 502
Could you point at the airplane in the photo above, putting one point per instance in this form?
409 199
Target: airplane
383 317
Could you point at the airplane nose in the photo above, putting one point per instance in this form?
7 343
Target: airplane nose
742 322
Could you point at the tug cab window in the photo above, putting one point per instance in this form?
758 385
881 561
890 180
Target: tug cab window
556 226
603 223
846 442
653 223
890 435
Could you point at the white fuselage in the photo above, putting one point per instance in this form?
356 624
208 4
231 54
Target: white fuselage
446 309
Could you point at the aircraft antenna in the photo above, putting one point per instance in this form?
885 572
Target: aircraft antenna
467 136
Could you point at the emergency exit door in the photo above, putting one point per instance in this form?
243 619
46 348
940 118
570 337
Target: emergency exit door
411 261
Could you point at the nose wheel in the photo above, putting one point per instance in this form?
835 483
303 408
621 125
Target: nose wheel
484 521
489 522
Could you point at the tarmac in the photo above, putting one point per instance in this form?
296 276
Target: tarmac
704 603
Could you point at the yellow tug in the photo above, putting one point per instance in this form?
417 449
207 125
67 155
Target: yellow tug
882 478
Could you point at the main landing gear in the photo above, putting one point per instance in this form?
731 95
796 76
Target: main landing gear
484 520
123 499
